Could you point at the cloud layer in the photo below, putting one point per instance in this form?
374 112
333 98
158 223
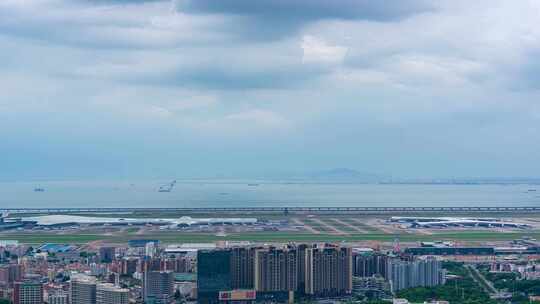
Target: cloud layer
198 88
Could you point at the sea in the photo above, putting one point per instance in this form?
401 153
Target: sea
260 193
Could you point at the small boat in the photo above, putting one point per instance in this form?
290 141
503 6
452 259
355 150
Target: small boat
39 190
162 189
253 185
167 187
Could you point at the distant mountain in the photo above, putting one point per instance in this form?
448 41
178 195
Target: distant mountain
345 174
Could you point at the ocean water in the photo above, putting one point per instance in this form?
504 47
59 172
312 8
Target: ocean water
212 193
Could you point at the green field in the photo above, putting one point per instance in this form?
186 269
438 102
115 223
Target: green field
172 237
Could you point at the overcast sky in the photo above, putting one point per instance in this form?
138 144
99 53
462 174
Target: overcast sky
148 89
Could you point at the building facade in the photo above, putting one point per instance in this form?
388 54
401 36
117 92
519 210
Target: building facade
426 272
111 294
128 266
10 273
213 274
370 264
158 287
58 297
328 271
82 290
27 293
276 270
242 267
107 254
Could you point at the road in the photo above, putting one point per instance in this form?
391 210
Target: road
485 283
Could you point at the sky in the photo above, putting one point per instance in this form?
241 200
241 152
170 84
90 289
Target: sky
96 89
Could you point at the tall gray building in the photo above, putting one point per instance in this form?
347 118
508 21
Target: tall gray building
242 263
106 254
370 264
276 270
328 271
158 287
276 274
83 289
426 272
110 294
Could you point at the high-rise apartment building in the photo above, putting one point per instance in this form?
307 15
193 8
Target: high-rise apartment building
213 274
242 267
27 293
150 249
149 264
370 264
110 294
276 269
301 266
176 264
328 271
430 272
184 264
82 289
106 254
158 287
272 273
10 273
128 266
400 275
426 272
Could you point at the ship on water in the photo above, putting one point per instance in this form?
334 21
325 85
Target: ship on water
167 187
39 189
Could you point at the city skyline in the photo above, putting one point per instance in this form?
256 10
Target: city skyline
159 89
269 151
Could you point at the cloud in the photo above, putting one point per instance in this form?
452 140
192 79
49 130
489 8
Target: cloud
275 19
117 24
236 67
148 102
313 83
318 51
308 9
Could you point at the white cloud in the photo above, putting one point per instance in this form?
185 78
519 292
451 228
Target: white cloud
317 50
435 70
459 67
